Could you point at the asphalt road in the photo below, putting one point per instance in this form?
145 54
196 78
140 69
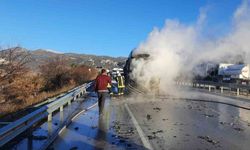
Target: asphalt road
166 122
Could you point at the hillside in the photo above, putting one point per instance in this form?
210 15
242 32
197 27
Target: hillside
40 56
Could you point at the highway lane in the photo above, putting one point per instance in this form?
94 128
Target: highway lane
184 124
166 123
112 130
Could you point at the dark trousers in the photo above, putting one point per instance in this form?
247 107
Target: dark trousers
101 100
120 90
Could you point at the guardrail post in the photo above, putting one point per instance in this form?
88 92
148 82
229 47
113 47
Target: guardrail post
61 117
238 91
50 117
61 108
49 128
221 89
69 102
30 142
209 88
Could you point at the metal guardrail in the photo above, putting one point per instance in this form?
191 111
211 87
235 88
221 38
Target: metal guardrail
213 85
49 100
15 128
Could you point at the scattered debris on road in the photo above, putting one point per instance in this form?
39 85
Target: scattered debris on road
157 109
208 139
189 106
209 115
164 119
149 117
116 126
158 131
41 137
238 129
151 137
233 125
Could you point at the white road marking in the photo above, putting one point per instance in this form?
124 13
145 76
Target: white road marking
139 130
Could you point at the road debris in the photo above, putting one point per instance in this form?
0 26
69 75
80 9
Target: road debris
41 137
157 109
158 131
149 117
208 139
223 123
233 125
209 115
151 137
116 126
238 129
189 106
164 119
76 128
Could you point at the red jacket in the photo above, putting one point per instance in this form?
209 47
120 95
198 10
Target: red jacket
101 82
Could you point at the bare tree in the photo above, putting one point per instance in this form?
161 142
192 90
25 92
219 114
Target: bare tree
13 63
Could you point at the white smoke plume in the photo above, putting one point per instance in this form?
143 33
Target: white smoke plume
177 48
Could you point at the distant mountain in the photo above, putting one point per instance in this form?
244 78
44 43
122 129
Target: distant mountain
41 56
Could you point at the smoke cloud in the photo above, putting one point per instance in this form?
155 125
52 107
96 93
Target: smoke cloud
177 48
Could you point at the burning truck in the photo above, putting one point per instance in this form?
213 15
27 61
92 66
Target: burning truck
152 84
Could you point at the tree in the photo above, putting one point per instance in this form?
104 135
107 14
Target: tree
82 74
13 63
23 87
55 73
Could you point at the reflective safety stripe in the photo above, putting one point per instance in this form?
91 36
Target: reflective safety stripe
120 82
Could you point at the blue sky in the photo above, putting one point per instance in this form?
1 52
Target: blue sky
102 27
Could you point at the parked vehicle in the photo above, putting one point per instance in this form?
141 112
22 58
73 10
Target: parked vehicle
236 73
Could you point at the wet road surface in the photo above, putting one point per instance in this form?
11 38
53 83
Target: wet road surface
166 123
38 137
111 130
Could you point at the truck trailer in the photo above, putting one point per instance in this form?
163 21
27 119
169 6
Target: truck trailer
235 73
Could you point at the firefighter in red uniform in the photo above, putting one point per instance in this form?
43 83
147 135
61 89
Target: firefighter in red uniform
101 84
